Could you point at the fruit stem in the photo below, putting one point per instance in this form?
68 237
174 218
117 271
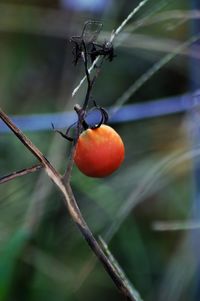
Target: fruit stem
81 116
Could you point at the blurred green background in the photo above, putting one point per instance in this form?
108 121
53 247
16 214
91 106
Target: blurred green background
42 254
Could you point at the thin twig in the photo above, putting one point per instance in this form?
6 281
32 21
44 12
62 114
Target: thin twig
72 207
90 82
81 110
119 270
89 85
67 174
20 173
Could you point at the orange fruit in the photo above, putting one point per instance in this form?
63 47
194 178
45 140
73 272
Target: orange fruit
99 152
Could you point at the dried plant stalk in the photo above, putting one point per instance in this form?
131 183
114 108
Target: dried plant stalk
73 208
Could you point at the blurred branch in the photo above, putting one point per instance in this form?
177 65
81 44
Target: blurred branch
151 43
72 206
20 173
155 68
176 14
175 225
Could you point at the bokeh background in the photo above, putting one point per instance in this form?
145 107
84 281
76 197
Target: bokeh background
147 211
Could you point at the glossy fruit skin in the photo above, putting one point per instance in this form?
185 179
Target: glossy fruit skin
99 152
